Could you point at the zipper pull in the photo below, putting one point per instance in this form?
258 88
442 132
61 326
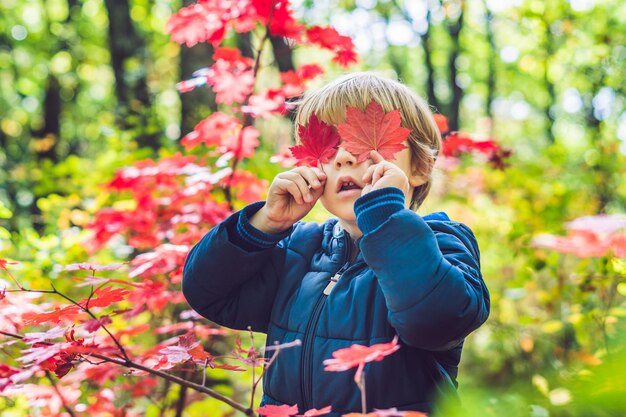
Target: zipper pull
335 278
332 283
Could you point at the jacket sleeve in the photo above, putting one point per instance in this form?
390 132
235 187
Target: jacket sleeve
430 278
231 276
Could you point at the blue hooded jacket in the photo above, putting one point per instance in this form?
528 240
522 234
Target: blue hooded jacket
415 277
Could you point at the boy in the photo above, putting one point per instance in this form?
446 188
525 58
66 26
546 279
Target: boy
377 271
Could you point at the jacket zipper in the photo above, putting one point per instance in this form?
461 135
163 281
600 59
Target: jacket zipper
307 352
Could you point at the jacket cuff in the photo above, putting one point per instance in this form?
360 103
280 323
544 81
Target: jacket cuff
375 207
248 237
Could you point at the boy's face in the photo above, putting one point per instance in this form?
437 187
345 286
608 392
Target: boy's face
344 182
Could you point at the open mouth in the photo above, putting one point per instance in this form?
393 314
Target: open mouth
347 184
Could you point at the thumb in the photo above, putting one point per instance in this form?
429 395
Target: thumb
375 156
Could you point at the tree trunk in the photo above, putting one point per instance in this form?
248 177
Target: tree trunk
430 69
134 101
426 47
48 136
200 102
549 48
491 75
282 54
454 30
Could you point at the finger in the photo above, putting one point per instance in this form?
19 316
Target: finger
367 177
321 175
310 177
286 186
379 172
298 179
376 157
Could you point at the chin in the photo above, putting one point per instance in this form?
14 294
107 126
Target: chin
343 210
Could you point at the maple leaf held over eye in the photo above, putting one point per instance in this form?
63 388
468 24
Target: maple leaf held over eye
319 142
373 129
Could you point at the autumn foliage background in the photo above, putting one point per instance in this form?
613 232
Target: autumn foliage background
129 128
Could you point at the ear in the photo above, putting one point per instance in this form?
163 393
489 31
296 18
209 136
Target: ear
419 177
415 180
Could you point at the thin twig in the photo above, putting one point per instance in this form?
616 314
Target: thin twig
86 310
172 378
253 368
361 385
56 388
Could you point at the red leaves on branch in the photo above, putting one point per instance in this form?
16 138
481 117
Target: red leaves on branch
329 38
166 259
294 82
252 356
315 412
319 142
211 130
57 315
456 144
589 236
169 205
4 263
290 410
356 356
94 324
189 349
266 104
225 132
105 296
208 20
277 410
373 129
232 78
246 186
92 267
196 23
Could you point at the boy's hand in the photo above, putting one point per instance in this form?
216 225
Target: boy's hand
384 174
290 197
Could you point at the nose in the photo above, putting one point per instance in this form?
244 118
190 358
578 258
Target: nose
344 158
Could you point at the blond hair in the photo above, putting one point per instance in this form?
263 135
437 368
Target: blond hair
330 102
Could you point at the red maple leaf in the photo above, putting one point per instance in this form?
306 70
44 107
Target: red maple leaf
294 81
442 122
245 148
284 158
315 412
231 85
358 356
277 410
6 371
94 324
4 263
266 103
84 266
329 38
211 130
319 142
197 23
373 129
58 314
106 296
345 57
